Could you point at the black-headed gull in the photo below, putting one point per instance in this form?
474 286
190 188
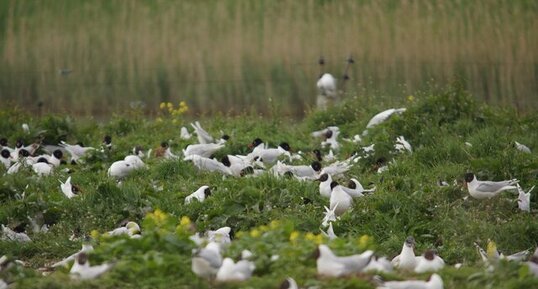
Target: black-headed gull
76 151
86 248
68 189
355 189
429 262
210 165
487 189
82 270
340 201
325 181
289 283
406 260
270 155
524 199
42 167
203 150
522 147
381 117
201 194
330 265
5 158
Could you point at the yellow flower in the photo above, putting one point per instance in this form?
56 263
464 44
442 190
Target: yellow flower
410 98
255 233
310 236
162 105
94 234
264 228
185 221
364 241
274 224
182 103
169 105
294 235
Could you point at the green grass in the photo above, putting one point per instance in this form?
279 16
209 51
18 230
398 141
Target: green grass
407 201
234 55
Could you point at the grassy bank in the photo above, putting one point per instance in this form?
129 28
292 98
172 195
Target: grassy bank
282 216
236 55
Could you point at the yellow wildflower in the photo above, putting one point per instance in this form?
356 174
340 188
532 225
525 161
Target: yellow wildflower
310 236
162 105
410 98
94 234
264 228
364 241
185 221
294 235
255 233
274 224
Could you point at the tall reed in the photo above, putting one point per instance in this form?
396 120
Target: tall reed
236 55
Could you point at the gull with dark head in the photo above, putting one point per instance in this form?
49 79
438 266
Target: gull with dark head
487 189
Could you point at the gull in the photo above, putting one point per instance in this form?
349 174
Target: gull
330 232
221 235
429 262
200 195
369 149
493 255
139 152
303 171
207 261
289 283
55 159
184 134
76 151
42 167
340 201
130 229
123 168
381 117
487 189
338 167
382 265
330 216
5 158
236 164
533 263
68 189
82 270
207 164
203 150
330 265
26 128
327 85
270 155
355 189
86 248
402 145
331 139
435 282
522 147
524 199
165 152
204 137
325 181
407 259
11 235
231 271
107 143
323 132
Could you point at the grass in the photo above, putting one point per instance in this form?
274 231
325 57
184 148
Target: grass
269 215
238 54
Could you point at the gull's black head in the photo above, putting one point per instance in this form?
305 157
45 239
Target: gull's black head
42 160
328 133
226 161
5 153
256 142
58 154
164 144
429 255
351 185
207 192
410 242
82 258
225 137
323 178
469 177
19 143
333 185
107 139
247 171
24 153
285 146
285 284
316 166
